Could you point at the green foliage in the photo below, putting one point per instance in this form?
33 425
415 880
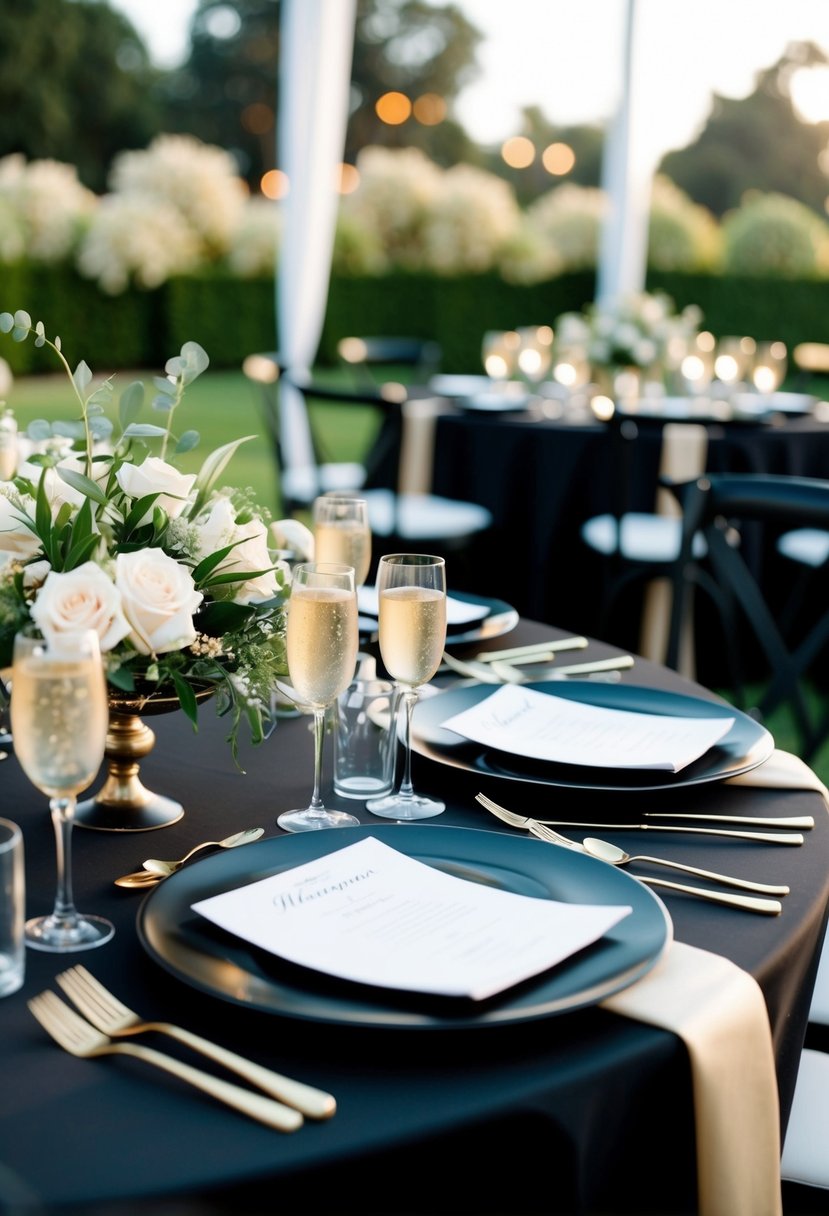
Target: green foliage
773 235
75 84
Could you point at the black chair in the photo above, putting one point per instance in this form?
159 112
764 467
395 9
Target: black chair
399 521
730 510
639 537
373 359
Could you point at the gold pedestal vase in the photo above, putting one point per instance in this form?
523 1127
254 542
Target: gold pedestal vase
124 804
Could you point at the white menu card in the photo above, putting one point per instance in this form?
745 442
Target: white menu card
369 913
458 612
542 726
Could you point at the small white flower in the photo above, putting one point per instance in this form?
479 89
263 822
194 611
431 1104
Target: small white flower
155 476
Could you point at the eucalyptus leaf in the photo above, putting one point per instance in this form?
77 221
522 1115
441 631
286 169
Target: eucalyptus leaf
130 403
69 430
188 441
86 486
144 430
39 429
189 364
82 377
163 404
101 428
6 322
165 386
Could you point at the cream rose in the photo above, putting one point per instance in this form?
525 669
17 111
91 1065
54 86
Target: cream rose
83 598
155 476
159 598
218 529
16 539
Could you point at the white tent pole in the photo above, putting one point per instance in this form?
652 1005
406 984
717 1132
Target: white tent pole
627 173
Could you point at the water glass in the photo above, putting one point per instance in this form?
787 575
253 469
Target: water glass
12 908
365 740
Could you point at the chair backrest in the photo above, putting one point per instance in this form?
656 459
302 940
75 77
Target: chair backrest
725 508
370 356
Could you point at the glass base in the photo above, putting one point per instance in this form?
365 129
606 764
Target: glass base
395 806
61 937
309 820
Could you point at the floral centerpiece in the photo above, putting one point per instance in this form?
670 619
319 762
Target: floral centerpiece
641 330
172 571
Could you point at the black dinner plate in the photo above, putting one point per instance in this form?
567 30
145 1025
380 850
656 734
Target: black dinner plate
746 744
215 962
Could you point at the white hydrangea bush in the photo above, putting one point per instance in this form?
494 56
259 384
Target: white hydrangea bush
472 217
397 190
200 181
569 219
46 208
772 234
136 239
682 235
254 242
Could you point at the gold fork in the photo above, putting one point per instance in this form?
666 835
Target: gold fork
79 1038
112 1017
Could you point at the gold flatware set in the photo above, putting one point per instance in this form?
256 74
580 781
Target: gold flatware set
106 1019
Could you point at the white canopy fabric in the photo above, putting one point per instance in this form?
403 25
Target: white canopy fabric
316 44
627 174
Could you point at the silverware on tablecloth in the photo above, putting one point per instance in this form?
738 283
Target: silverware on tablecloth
530 652
788 838
500 672
79 1038
113 1018
769 907
164 869
774 821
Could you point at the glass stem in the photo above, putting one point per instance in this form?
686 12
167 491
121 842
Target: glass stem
63 812
406 787
316 803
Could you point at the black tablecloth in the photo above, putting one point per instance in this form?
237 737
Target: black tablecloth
541 479
587 1111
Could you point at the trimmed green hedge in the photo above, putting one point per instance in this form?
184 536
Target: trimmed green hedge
233 317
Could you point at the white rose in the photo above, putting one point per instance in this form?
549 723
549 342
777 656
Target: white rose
218 529
292 534
159 598
57 490
83 598
16 539
34 573
155 476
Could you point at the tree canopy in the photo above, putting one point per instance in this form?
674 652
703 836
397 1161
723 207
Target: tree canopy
76 84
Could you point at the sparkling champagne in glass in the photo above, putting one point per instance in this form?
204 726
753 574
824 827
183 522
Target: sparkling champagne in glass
322 656
59 718
411 590
342 533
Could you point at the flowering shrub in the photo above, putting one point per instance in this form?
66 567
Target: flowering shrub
681 234
775 235
46 205
255 240
173 573
569 218
135 239
396 191
472 216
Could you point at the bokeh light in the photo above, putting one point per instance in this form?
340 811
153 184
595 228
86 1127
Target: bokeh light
518 152
558 159
393 108
429 109
349 179
274 184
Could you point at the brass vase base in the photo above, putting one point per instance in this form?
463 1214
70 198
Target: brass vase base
124 804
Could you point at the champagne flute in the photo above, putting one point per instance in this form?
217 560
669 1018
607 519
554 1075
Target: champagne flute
342 533
322 656
412 601
59 716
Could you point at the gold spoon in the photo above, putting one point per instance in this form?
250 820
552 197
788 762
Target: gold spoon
155 868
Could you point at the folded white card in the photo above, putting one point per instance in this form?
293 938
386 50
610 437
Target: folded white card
542 726
368 913
458 612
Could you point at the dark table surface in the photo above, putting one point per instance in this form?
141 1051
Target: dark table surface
542 478
583 1112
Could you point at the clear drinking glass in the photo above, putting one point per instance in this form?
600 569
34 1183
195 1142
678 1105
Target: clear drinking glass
499 353
769 368
411 589
342 533
59 716
322 656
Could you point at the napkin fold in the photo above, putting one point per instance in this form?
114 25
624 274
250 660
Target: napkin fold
782 771
718 1010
